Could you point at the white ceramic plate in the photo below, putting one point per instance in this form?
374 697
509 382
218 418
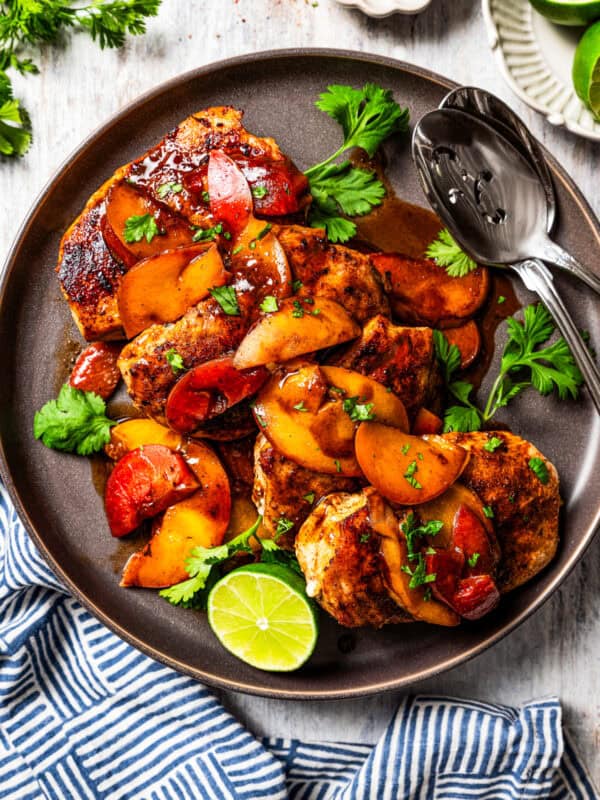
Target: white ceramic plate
383 8
535 57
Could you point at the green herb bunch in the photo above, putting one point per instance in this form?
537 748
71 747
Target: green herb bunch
27 24
368 116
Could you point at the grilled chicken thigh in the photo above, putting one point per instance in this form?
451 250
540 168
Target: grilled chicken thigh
285 489
403 359
525 509
332 271
339 553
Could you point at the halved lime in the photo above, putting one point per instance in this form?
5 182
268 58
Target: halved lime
586 69
261 614
568 12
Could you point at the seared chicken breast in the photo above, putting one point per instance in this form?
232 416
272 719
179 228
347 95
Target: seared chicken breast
339 552
403 359
333 271
203 333
283 489
90 273
525 509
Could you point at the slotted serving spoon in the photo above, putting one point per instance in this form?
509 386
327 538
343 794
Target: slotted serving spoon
491 199
496 113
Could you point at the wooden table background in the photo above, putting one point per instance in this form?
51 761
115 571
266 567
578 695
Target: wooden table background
558 650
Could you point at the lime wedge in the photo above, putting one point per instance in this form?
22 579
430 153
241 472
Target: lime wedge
568 12
586 69
262 615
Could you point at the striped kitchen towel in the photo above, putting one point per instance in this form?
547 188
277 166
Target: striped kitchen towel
84 715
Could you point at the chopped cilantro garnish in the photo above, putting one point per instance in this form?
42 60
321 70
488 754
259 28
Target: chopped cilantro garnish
227 299
540 469
175 360
269 304
140 226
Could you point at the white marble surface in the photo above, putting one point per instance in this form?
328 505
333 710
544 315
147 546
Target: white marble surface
558 650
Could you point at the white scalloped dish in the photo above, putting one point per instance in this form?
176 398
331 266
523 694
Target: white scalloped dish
536 58
384 8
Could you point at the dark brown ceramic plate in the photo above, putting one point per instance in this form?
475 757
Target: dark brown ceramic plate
54 493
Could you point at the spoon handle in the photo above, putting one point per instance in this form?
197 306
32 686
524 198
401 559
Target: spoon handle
538 278
554 254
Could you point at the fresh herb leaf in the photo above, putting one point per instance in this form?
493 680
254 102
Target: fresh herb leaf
501 299
175 360
419 575
537 466
169 188
413 532
75 422
139 226
259 192
310 498
493 444
405 448
262 233
27 24
410 475
227 299
368 116
357 411
472 560
208 234
237 249
298 311
269 304
461 418
300 406
296 286
364 538
447 253
15 125
338 466
448 356
488 512
283 526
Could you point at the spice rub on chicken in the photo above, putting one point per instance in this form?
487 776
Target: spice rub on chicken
166 187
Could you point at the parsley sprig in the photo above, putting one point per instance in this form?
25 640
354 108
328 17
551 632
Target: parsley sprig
202 565
30 23
527 360
75 422
368 116
446 252
413 533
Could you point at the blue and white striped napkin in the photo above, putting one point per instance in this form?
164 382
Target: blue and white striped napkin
84 715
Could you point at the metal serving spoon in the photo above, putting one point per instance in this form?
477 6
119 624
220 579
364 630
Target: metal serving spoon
493 111
491 199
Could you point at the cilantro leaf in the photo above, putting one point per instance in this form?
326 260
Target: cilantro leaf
15 125
337 229
354 190
259 192
75 422
446 252
538 466
207 234
139 226
227 299
175 360
169 188
368 116
357 411
448 355
461 418
269 304
493 444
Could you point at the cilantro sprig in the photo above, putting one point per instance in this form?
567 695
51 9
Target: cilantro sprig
203 565
15 126
413 533
27 24
446 252
75 422
368 116
527 360
140 226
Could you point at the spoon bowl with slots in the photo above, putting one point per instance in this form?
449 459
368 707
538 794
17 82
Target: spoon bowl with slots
491 199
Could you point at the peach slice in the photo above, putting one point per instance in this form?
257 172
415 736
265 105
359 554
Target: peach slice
135 433
408 470
296 328
200 520
161 288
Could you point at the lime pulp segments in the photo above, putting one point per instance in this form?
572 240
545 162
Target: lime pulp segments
586 69
261 614
568 12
